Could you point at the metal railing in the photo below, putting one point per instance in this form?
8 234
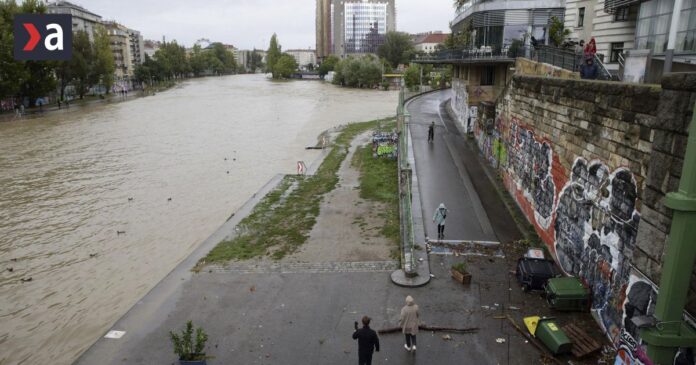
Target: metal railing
475 54
409 261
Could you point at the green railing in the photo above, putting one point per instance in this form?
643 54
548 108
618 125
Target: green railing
409 262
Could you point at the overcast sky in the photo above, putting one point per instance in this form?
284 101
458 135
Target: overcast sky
249 23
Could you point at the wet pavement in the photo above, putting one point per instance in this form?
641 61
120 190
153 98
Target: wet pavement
442 177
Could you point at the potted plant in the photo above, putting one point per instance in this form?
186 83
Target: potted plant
190 349
460 274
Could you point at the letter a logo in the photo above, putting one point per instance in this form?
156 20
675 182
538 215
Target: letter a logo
54 29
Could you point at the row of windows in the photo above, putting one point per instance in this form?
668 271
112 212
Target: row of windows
620 15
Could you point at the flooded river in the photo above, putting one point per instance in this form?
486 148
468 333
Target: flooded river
167 170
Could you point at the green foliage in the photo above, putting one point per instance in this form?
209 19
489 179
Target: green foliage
397 48
364 72
81 65
459 266
557 31
412 76
379 182
328 65
103 67
284 67
22 78
255 61
273 54
186 346
456 40
459 3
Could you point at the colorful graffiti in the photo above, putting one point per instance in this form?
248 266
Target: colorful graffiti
385 144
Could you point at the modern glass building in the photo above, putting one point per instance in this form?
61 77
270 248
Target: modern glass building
654 20
360 26
498 23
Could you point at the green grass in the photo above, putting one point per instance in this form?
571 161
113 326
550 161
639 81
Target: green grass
281 222
379 182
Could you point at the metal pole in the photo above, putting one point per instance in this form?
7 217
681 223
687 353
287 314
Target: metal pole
672 38
671 332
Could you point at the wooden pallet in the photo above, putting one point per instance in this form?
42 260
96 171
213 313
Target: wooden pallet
583 344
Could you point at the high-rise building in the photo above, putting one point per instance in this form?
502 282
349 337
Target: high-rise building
323 28
360 26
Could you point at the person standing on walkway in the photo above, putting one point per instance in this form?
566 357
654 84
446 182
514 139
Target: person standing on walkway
409 321
439 218
579 54
431 132
589 70
368 342
590 49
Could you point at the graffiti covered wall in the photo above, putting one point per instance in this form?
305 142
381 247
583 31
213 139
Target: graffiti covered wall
588 164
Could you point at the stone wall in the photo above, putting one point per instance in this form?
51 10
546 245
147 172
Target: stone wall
589 163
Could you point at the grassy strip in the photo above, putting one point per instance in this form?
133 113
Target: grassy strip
379 182
281 222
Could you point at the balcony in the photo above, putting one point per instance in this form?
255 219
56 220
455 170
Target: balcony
482 55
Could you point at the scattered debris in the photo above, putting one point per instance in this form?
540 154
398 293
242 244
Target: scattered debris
500 340
432 276
513 308
26 280
447 337
170 199
120 232
10 269
252 288
93 255
321 341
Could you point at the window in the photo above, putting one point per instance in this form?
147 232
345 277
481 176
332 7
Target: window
621 14
488 76
581 17
616 50
653 25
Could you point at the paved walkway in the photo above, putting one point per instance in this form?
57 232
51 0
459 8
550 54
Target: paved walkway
442 174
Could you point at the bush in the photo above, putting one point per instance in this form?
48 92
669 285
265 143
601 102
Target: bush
184 345
365 72
459 266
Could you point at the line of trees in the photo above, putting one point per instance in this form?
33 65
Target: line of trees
92 62
171 62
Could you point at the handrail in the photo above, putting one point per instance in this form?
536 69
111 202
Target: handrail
605 74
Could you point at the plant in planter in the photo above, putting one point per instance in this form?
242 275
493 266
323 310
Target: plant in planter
190 349
460 274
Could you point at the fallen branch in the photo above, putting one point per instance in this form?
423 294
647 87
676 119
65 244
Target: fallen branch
430 328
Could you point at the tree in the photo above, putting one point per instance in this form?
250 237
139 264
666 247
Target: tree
197 61
358 72
557 31
255 61
284 67
456 40
397 48
273 54
226 57
103 68
412 76
81 64
328 65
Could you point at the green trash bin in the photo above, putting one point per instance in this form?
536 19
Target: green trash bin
551 335
567 294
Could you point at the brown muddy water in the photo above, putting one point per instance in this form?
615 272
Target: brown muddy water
153 168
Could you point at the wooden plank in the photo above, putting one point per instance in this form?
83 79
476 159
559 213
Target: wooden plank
583 344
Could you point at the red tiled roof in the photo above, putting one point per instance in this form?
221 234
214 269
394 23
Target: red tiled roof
434 38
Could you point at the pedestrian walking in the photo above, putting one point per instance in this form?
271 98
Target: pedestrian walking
409 321
368 342
431 132
439 218
579 54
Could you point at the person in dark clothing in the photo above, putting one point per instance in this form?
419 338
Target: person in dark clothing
367 341
431 132
589 70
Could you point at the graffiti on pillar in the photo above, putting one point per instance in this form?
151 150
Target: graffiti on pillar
530 160
595 234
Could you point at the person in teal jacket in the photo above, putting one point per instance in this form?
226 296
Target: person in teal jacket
439 218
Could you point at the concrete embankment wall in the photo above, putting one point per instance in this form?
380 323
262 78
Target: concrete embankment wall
589 163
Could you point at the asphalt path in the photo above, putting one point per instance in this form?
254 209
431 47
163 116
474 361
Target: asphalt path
442 175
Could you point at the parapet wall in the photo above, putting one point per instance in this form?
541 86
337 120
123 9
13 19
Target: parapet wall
589 163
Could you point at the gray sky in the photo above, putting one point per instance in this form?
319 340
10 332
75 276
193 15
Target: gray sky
249 23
